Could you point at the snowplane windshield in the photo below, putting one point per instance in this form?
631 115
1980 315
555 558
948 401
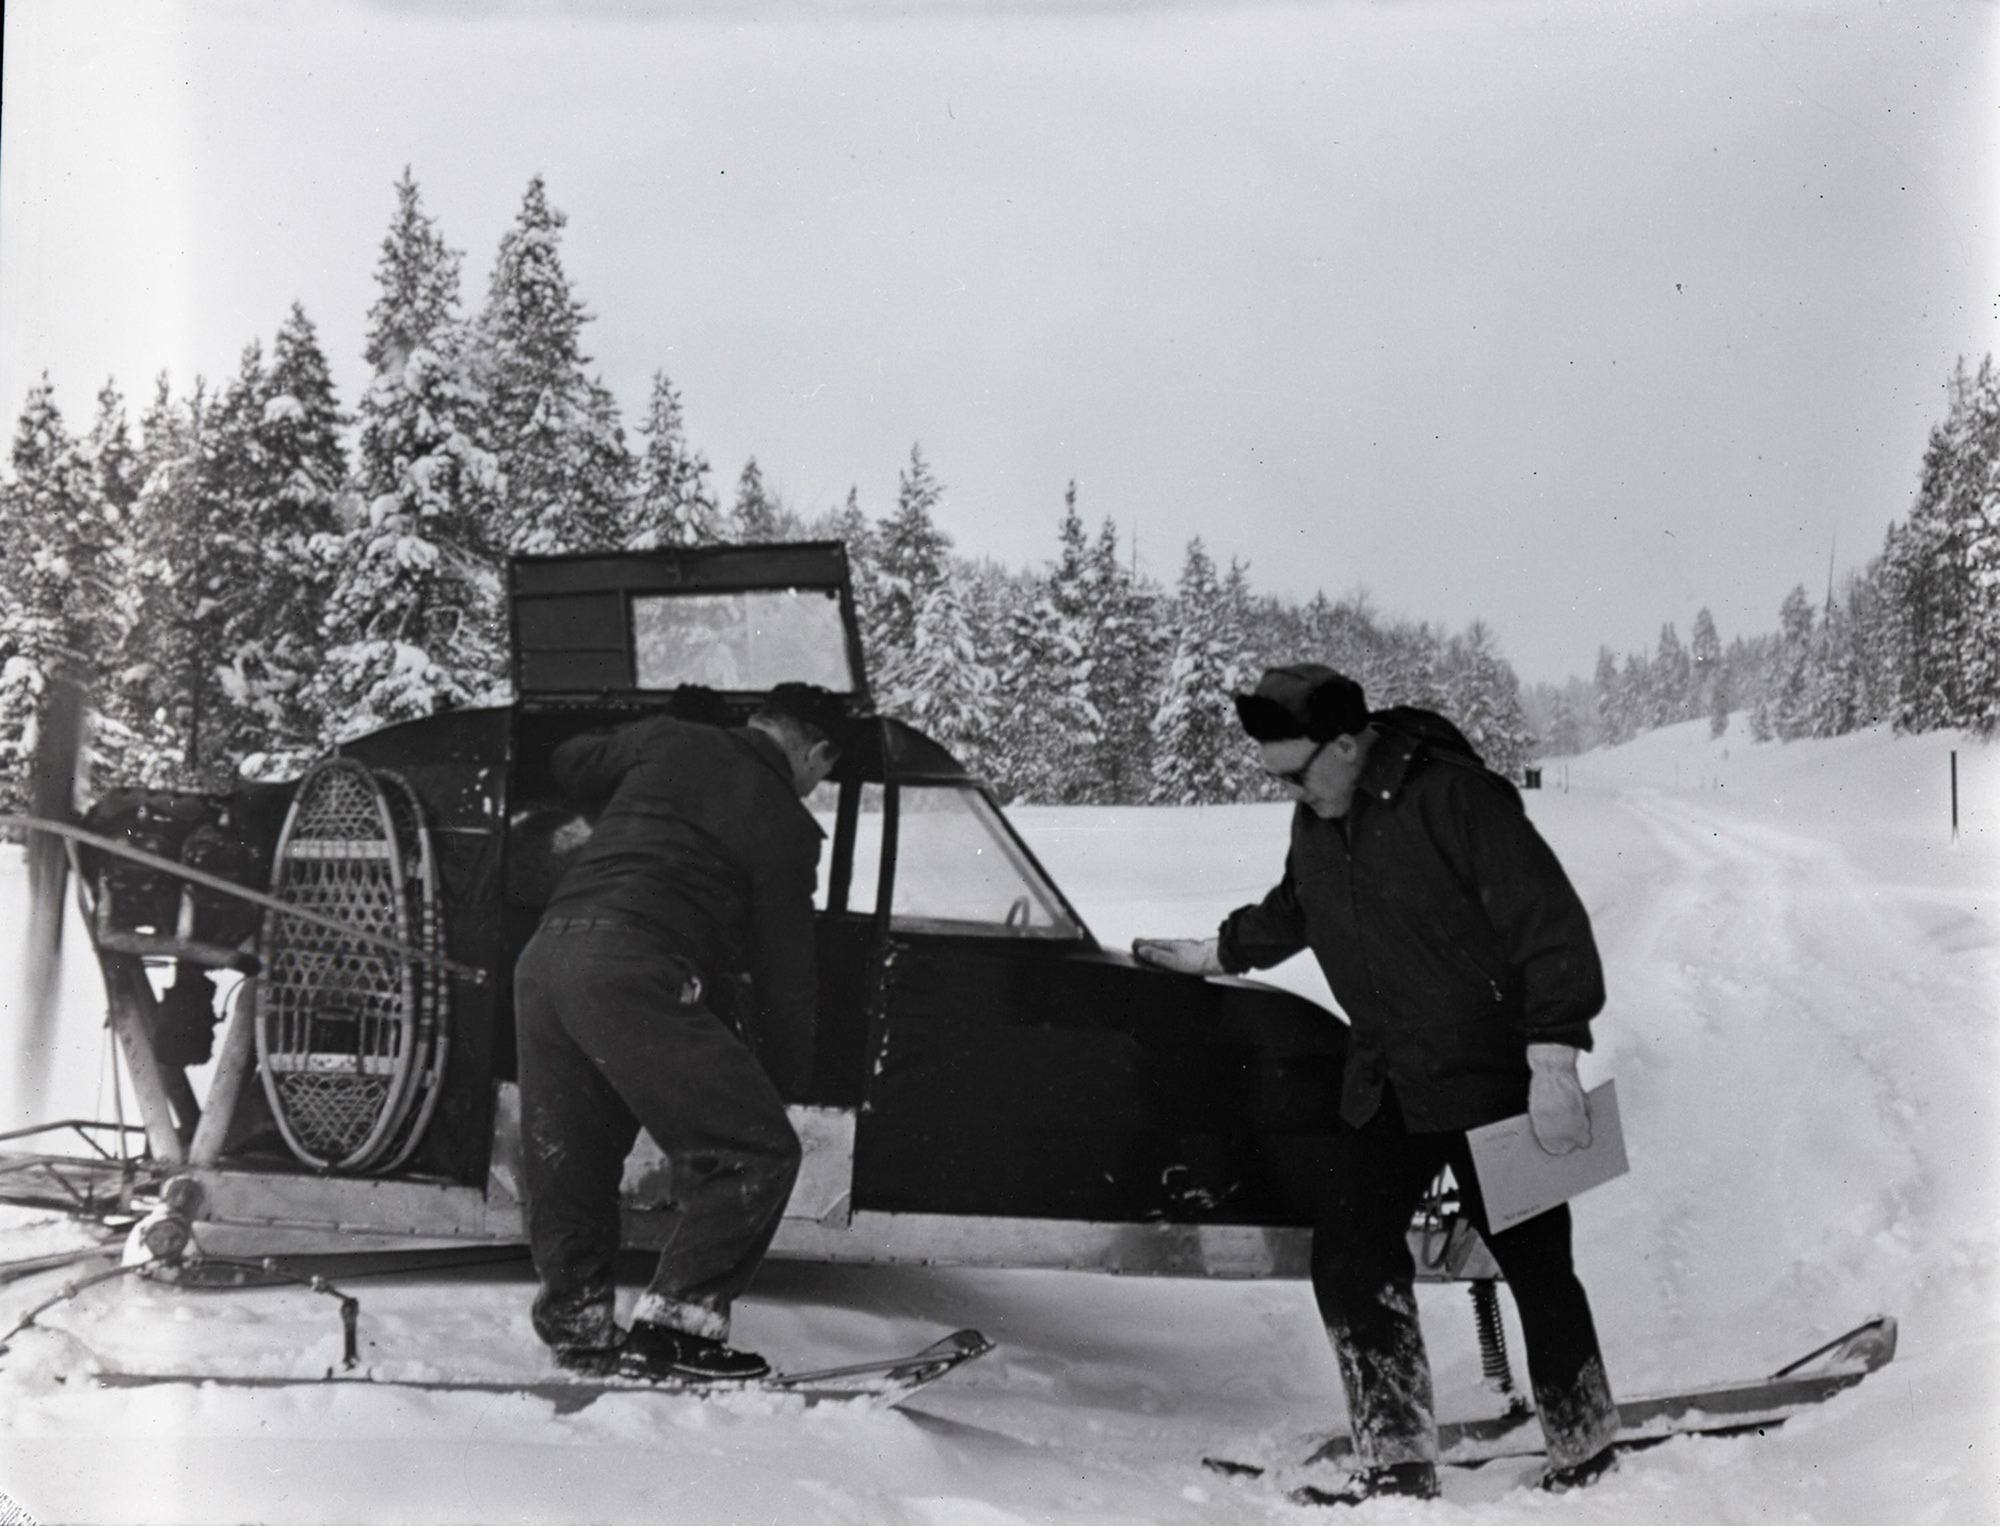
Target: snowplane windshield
958 868
753 640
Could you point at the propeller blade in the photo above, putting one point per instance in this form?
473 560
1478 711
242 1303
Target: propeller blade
52 785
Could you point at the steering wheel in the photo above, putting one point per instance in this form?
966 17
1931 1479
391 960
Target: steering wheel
1017 914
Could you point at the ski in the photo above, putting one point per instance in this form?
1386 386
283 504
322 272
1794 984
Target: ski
883 1383
1759 1404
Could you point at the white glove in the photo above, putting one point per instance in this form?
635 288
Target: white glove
1557 1111
1184 956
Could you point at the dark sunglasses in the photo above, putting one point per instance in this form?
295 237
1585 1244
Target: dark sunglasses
1296 777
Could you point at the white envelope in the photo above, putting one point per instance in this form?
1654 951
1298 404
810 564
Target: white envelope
1519 1179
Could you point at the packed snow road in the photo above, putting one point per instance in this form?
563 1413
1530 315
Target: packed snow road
1803 973
1768 1040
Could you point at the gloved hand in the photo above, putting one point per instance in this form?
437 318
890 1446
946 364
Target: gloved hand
1184 956
1557 1111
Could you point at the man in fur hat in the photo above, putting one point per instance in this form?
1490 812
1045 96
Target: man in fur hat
1465 964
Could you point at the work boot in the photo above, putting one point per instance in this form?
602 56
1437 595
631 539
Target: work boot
656 1353
1579 1475
1408 1480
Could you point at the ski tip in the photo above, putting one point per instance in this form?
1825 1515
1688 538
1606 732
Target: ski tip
967 1343
1869 1345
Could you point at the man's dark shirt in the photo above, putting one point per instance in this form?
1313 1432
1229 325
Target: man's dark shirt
1448 932
702 840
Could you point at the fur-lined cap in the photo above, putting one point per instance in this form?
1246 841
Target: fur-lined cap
1302 699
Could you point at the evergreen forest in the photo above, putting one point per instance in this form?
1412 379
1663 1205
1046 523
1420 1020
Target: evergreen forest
250 571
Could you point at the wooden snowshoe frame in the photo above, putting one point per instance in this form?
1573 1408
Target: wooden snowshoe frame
349 1035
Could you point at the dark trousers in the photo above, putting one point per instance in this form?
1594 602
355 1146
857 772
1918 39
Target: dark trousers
1363 1278
608 1048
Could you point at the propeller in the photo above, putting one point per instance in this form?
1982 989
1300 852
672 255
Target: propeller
52 797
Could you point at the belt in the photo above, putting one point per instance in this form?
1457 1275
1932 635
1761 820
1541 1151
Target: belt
584 924
691 985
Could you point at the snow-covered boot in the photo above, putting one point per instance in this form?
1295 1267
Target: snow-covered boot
655 1351
1579 1475
591 1361
1408 1480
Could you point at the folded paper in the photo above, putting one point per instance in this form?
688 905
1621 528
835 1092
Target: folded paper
1519 1179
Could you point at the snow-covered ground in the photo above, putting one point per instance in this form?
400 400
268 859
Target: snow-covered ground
1805 978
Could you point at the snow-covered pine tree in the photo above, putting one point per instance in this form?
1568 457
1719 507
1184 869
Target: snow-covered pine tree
1721 701
1635 687
912 553
1129 650
1672 679
113 458
1199 752
274 585
1265 633
554 428
1791 700
1047 726
1761 727
1747 665
1977 495
1483 697
672 503
1612 708
1870 603
173 645
929 668
130 734
1343 635
56 535
219 557
413 621
1832 697
938 682
1704 666
852 529
759 514
1406 671
1565 730
119 472
1941 559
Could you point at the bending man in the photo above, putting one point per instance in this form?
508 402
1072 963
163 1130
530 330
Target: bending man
1464 961
632 1012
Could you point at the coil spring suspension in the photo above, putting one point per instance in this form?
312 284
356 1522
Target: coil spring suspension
1493 1363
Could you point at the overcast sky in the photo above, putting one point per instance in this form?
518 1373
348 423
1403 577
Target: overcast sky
1574 317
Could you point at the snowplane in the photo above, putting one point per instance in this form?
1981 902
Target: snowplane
993 1087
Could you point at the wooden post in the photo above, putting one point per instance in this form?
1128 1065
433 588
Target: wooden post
232 1068
1954 794
150 1084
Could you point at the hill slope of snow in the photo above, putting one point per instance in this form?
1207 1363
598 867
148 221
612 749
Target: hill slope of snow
1804 970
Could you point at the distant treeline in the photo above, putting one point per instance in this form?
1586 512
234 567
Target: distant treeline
254 572
1911 640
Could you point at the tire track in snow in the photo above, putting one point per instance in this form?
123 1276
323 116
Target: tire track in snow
1771 1105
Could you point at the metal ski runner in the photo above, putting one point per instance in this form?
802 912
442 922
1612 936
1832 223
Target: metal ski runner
884 1383
1759 1404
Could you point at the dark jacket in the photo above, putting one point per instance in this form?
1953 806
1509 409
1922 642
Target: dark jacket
1447 930
702 840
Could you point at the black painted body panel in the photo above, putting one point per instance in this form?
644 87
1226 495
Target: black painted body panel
1055 1081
